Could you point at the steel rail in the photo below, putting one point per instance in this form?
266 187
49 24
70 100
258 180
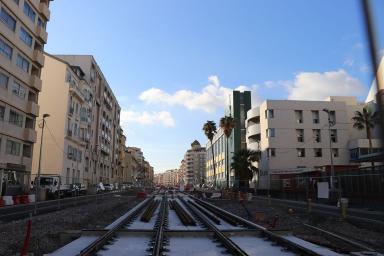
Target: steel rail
102 240
148 213
161 222
206 212
184 216
227 242
270 235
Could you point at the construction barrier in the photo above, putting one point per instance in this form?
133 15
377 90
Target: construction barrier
8 200
2 203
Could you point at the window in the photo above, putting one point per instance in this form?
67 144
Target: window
19 90
29 12
318 152
300 135
301 152
335 152
332 117
2 113
315 116
299 116
22 63
27 150
16 2
40 23
3 81
25 37
15 118
271 152
269 113
5 50
7 19
69 152
270 132
317 135
334 135
13 148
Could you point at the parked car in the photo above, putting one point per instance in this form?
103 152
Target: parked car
108 187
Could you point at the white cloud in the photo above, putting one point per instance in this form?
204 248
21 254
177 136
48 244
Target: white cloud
211 97
318 86
163 118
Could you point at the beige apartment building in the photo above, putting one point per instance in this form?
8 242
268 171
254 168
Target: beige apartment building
294 136
22 38
66 98
93 129
193 165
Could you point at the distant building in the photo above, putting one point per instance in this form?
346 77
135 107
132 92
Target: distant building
240 103
194 164
293 136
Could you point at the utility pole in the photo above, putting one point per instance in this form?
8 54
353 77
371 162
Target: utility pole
39 166
330 124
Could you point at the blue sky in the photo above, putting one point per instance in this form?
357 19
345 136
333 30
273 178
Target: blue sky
172 63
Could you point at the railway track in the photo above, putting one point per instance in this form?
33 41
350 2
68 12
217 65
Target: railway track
184 225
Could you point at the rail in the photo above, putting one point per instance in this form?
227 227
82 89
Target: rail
228 243
102 240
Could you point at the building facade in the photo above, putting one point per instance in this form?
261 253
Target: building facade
240 103
297 136
194 165
22 39
102 154
68 128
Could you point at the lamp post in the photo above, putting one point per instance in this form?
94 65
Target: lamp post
39 166
330 124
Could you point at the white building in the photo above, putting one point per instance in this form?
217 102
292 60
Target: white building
294 136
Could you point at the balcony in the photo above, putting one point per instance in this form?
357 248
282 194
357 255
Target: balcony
44 10
253 129
38 56
36 82
29 135
33 108
42 34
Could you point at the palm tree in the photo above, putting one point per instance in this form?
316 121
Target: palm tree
210 130
242 164
227 123
366 119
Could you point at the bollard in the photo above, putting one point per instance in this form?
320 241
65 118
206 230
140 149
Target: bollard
343 207
309 205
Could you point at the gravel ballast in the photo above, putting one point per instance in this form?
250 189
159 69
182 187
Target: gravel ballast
53 230
291 220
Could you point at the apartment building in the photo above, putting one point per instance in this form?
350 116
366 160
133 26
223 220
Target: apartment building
193 165
22 38
168 178
240 103
300 136
102 155
67 137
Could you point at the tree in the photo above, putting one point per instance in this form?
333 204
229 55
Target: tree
210 130
242 164
227 124
366 119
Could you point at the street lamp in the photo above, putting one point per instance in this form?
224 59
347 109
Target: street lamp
41 148
330 124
